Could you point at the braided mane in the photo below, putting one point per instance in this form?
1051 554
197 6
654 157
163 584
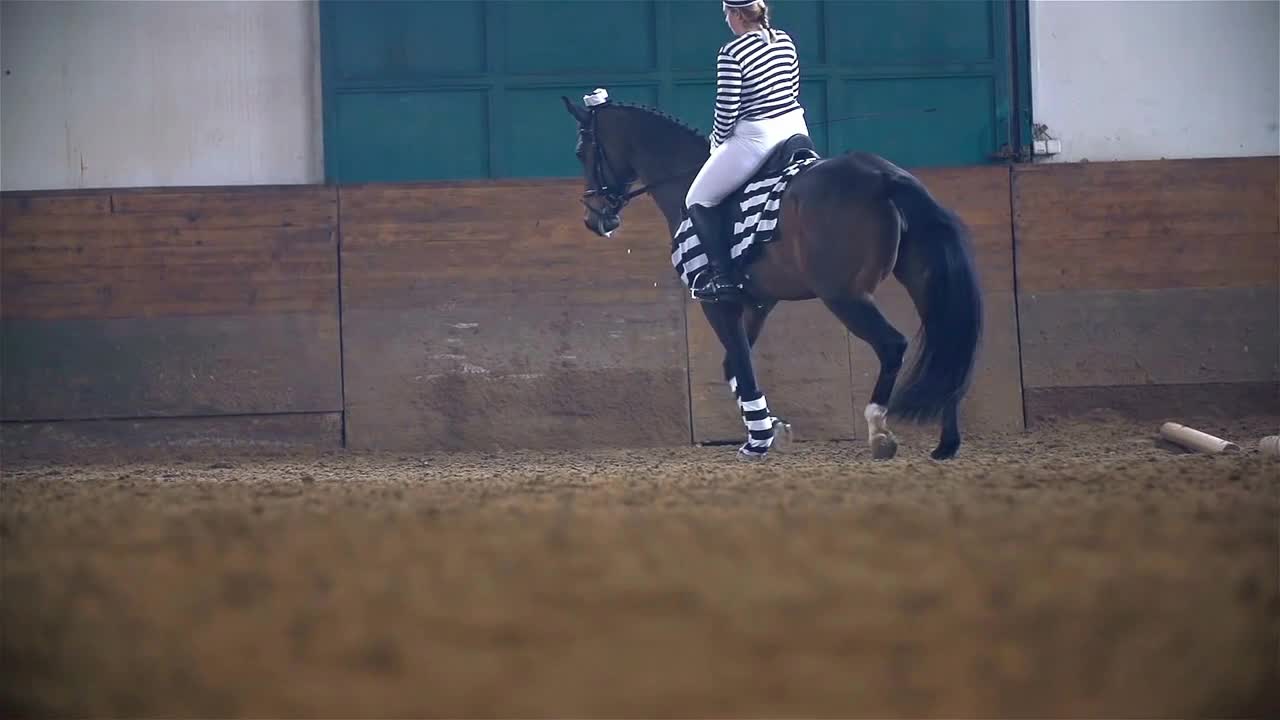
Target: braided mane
654 112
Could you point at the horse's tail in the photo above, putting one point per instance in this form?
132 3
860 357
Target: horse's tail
935 263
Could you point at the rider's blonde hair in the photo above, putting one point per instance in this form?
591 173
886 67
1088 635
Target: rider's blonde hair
757 13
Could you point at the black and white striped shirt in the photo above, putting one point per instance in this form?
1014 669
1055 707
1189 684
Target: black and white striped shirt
755 80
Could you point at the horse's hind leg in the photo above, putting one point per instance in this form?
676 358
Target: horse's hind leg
863 319
726 321
950 441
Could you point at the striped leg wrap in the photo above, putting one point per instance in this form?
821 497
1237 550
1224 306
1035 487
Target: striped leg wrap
755 413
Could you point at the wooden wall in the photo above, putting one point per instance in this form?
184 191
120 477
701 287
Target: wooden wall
170 317
1149 288
487 315
447 316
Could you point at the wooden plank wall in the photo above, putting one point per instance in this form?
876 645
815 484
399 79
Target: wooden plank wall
160 314
487 316
1149 288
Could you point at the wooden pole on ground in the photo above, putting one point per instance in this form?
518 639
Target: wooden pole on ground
1193 439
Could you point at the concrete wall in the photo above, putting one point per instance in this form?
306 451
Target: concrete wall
120 94
1129 80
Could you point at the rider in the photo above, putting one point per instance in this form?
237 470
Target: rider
757 109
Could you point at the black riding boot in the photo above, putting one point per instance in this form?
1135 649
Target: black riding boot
723 286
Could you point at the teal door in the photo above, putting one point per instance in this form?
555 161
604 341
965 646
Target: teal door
468 89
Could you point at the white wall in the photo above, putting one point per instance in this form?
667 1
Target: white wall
1151 79
109 93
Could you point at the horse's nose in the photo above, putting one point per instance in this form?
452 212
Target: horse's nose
610 224
601 225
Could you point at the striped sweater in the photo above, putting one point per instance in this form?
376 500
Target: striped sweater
755 80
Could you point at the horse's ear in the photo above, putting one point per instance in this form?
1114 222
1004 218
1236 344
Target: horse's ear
578 113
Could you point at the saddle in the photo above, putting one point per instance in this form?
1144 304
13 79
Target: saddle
795 148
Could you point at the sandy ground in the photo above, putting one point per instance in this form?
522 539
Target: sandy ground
1082 570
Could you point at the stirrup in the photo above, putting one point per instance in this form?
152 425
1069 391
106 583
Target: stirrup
718 288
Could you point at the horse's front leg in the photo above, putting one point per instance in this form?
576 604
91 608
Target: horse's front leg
753 318
727 322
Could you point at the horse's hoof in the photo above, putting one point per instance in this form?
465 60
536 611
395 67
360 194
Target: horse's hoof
883 446
745 455
781 436
945 451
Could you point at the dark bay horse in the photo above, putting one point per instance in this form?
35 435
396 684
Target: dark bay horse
847 222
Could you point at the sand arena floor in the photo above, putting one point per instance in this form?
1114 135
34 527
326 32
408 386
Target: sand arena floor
1082 570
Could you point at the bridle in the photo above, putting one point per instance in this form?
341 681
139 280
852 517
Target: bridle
615 196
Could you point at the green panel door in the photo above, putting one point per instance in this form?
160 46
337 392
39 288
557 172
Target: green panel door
566 36
960 131
393 136
540 134
387 40
901 33
694 102
464 89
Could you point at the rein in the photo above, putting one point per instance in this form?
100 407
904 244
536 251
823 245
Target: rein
627 197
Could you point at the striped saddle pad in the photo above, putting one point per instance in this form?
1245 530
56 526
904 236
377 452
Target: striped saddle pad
752 212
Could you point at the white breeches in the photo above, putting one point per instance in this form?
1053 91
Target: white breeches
734 162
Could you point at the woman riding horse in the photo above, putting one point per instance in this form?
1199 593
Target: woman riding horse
757 109
845 224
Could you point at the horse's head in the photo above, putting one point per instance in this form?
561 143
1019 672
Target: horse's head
606 169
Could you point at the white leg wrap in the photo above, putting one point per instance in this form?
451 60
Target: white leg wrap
876 425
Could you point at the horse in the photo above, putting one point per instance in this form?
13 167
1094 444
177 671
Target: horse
846 223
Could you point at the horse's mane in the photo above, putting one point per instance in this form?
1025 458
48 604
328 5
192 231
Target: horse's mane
677 123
